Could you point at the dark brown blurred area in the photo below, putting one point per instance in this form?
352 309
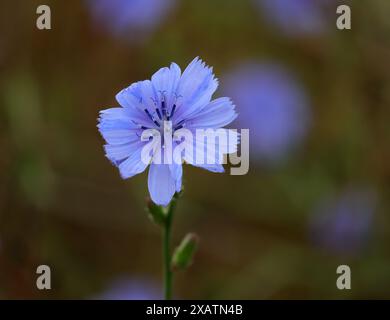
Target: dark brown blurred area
317 192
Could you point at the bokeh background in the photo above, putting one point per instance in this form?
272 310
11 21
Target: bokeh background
316 101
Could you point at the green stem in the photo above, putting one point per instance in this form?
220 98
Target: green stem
167 251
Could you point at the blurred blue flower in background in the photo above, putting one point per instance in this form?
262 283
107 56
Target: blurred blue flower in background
342 225
131 289
273 105
130 18
295 17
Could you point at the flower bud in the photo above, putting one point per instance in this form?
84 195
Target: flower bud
184 253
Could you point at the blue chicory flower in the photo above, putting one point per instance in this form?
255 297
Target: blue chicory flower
182 98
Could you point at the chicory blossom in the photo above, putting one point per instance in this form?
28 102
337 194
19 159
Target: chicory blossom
183 100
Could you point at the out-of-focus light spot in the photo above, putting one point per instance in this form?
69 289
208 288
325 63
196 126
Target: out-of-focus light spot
273 105
130 19
295 17
131 289
342 224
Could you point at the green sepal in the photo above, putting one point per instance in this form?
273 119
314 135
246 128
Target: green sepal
156 213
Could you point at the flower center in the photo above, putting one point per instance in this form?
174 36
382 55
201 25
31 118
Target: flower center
161 115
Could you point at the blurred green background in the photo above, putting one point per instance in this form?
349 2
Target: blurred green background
278 232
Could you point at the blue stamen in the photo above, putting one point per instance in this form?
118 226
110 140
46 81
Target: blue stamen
173 110
158 113
149 115
180 122
163 108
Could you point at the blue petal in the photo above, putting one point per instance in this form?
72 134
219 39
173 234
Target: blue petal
196 87
216 168
223 146
165 81
218 113
136 98
161 184
133 164
115 114
148 95
212 162
119 152
130 97
116 126
177 173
